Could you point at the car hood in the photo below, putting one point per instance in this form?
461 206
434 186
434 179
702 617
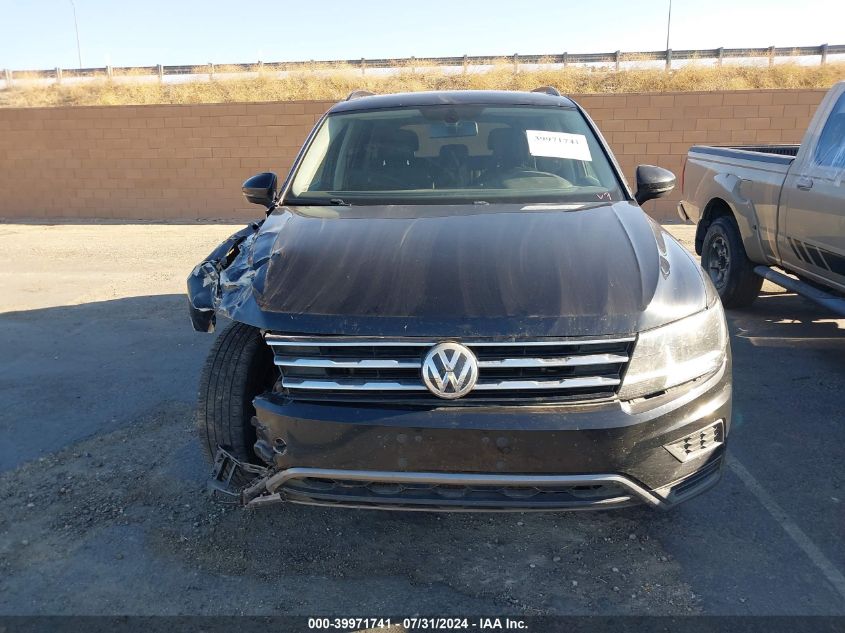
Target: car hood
476 270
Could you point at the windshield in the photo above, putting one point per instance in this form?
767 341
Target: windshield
455 154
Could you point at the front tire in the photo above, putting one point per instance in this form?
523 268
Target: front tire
724 259
239 367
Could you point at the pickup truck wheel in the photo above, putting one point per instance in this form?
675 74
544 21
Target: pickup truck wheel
724 259
239 367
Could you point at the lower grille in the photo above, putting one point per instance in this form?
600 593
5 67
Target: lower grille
389 370
377 493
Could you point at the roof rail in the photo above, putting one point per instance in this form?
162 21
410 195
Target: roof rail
549 90
357 94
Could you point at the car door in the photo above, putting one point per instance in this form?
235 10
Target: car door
813 201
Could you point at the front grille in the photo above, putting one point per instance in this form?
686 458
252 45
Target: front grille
389 370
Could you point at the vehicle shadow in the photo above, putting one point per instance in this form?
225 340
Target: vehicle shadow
783 319
70 372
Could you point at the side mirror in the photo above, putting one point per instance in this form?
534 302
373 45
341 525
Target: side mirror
653 182
261 189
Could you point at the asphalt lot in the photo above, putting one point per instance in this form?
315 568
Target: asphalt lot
102 483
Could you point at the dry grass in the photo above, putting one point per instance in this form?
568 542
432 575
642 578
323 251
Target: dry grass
335 82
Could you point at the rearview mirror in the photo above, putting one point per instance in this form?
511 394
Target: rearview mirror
653 182
261 189
458 129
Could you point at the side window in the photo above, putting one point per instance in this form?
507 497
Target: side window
830 149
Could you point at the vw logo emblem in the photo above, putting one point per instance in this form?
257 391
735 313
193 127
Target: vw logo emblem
449 370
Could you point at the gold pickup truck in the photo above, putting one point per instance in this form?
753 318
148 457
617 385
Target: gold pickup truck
763 208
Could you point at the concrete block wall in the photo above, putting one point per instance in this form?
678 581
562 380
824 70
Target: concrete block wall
659 128
187 162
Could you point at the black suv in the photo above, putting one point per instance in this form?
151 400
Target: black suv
456 302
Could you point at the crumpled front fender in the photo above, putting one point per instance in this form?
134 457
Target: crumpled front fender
223 280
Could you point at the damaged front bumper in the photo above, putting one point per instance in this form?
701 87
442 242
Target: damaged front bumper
429 490
568 457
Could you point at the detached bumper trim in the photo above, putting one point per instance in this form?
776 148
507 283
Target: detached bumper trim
276 489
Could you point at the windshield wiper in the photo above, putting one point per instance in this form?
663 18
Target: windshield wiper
318 202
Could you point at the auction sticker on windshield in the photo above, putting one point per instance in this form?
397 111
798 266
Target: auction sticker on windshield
558 145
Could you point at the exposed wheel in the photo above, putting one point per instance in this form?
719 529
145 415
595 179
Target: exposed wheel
239 367
724 259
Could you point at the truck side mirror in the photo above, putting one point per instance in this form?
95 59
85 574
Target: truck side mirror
261 189
653 182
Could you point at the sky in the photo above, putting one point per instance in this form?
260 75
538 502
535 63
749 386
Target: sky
38 34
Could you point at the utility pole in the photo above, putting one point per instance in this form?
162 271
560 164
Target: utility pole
668 25
76 26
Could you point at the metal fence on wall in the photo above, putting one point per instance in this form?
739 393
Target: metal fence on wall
614 59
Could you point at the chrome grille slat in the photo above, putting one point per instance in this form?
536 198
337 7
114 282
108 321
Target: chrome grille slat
550 342
344 341
352 385
364 363
275 340
565 383
388 385
346 368
505 363
566 361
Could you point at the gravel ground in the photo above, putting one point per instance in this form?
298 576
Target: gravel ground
105 511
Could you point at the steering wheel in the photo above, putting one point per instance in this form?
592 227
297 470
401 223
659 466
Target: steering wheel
514 176
534 173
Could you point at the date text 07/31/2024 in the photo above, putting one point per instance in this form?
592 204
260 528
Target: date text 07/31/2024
420 623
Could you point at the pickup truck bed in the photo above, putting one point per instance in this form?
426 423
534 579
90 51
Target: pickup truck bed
780 150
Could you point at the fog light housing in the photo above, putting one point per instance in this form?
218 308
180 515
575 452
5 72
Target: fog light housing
700 443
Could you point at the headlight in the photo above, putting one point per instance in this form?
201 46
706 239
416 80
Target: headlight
676 353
